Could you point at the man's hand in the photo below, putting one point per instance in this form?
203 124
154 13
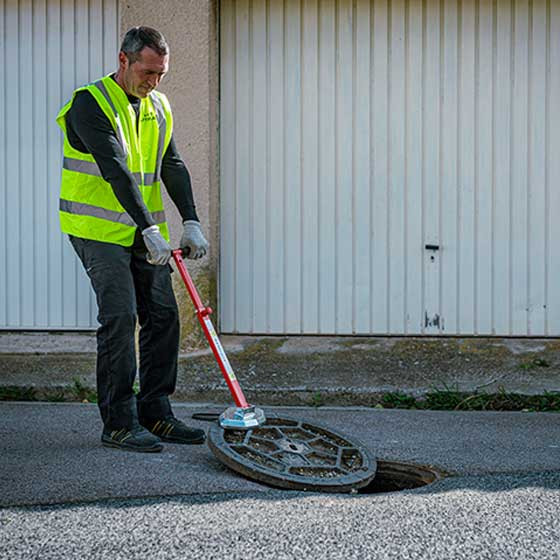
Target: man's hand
193 242
159 249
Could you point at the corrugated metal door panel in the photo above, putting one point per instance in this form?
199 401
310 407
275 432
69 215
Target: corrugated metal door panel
536 247
396 256
414 280
40 166
380 302
519 232
243 192
275 162
448 212
310 169
26 186
54 101
325 208
11 146
484 172
466 199
228 161
69 79
501 294
364 132
292 185
344 122
552 223
361 205
3 191
50 47
432 165
259 99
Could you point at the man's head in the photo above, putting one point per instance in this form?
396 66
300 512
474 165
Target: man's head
143 61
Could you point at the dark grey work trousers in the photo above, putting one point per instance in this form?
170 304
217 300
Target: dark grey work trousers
128 288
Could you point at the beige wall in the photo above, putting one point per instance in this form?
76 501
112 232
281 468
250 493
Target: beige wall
191 29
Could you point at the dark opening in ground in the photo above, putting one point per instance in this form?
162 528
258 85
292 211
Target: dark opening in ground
392 476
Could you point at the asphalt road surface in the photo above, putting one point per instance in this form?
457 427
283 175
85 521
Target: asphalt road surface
64 496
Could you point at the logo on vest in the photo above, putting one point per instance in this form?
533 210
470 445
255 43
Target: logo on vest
148 117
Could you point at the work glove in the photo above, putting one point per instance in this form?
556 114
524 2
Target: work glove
193 243
159 249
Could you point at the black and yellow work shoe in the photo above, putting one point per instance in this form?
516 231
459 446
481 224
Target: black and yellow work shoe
137 439
172 430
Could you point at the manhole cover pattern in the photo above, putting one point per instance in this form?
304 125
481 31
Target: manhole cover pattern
294 454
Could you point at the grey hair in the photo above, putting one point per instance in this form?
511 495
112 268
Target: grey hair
137 38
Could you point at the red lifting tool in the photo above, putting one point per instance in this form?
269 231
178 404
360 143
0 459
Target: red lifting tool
243 415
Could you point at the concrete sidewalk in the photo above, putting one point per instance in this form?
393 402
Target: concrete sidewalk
302 370
62 495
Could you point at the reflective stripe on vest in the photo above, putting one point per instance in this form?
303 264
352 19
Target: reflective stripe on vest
91 168
120 134
95 211
162 132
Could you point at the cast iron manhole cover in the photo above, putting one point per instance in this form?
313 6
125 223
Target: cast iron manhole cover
294 454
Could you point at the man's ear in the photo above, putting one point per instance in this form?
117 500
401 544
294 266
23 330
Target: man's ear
123 61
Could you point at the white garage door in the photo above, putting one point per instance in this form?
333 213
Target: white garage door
390 167
49 48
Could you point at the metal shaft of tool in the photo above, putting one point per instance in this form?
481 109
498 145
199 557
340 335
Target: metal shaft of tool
203 313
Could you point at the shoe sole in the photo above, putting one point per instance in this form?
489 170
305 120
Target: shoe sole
196 441
154 449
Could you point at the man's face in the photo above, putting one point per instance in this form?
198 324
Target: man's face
143 75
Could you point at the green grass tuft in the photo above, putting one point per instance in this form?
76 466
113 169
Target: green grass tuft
448 399
535 363
317 400
83 393
18 394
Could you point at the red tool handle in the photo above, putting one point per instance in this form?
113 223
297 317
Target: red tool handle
203 313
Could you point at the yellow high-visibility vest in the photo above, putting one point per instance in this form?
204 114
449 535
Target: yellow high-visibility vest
88 205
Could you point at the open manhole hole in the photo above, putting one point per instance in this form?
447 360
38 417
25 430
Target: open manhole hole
394 476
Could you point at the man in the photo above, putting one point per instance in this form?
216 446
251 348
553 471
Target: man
118 148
